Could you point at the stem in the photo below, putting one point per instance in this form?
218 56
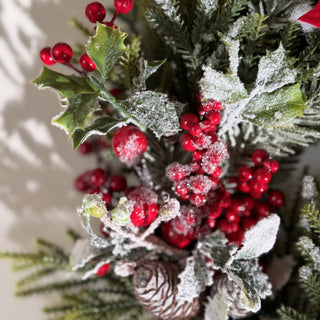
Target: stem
68 64
114 17
111 99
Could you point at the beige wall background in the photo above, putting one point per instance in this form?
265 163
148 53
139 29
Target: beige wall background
37 165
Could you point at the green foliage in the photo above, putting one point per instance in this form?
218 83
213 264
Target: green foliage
105 48
287 313
312 216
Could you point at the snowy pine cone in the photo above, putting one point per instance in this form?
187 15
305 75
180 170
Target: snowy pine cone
155 286
231 291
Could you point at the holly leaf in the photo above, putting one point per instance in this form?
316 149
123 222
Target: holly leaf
226 88
105 48
275 71
79 113
276 109
150 67
100 126
68 86
155 111
260 238
195 278
214 246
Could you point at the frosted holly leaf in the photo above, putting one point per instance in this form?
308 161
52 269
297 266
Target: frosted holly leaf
214 246
309 188
155 111
233 47
95 240
150 67
216 308
248 275
94 205
82 253
226 88
276 109
275 70
260 238
195 278
253 282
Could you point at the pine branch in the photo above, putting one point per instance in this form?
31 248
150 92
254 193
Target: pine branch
287 313
35 276
312 216
311 285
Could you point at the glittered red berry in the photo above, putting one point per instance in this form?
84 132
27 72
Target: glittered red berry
61 52
123 6
150 214
259 155
129 144
98 177
197 199
172 237
271 165
257 187
137 216
117 183
46 57
181 188
228 227
187 120
103 270
262 175
245 173
195 129
187 142
244 187
86 63
214 117
176 171
276 198
95 12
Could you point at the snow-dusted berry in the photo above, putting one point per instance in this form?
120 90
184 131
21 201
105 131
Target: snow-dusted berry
177 171
187 120
129 144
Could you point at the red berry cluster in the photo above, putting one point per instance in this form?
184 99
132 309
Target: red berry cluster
129 144
96 12
193 181
255 180
145 208
61 52
97 181
94 144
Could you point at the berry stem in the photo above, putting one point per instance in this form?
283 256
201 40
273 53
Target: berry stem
111 99
76 69
114 17
144 175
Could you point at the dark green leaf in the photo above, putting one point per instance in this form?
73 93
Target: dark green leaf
100 126
78 113
276 109
68 86
151 67
105 48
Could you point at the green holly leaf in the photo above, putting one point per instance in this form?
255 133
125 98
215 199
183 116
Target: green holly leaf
101 126
105 48
79 112
66 85
150 67
155 111
276 109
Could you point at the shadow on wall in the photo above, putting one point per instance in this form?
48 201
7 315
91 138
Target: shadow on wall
37 165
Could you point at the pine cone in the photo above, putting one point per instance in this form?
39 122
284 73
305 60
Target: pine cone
231 291
155 286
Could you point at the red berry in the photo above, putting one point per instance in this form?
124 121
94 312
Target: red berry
215 211
200 184
197 199
181 188
214 117
236 237
228 227
197 155
95 11
150 214
217 172
123 6
176 171
237 205
103 270
187 120
202 231
46 57
115 92
81 183
200 96
93 190
232 216
206 126
61 52
264 210
262 175
106 197
211 222
172 237
259 156
248 222
276 198
271 165
249 203
85 147
257 187
137 216
103 231
245 173
86 63
117 183
244 187
187 143
98 177
129 144
195 129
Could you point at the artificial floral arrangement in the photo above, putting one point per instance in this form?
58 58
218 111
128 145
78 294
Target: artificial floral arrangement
195 115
